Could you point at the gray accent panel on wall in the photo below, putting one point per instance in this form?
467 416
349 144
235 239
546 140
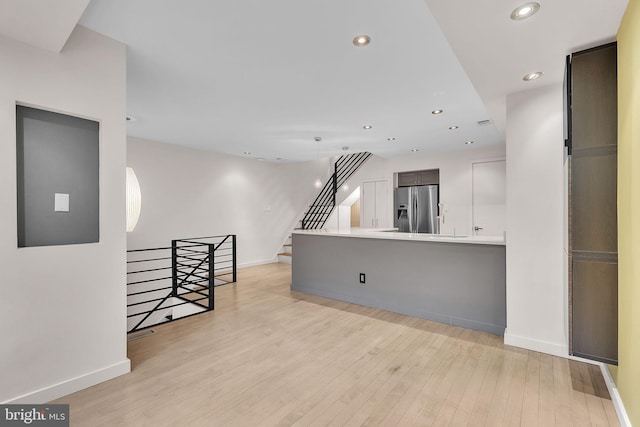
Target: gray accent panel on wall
56 153
453 283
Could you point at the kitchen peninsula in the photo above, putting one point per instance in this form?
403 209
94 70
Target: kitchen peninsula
457 280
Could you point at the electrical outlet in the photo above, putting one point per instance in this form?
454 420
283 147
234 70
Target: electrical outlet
363 278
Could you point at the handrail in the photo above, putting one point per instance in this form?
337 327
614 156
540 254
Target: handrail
323 205
197 265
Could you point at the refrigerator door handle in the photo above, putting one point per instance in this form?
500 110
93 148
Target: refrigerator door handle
411 200
415 212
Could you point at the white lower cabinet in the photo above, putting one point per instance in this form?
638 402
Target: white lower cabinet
374 204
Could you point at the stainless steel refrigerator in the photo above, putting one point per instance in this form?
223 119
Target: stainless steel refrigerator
416 209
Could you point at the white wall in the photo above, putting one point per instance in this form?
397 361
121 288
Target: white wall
63 308
455 179
536 290
192 193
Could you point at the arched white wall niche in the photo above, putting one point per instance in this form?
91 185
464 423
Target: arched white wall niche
134 200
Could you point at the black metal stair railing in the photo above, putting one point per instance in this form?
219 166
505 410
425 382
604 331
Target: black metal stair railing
168 283
322 207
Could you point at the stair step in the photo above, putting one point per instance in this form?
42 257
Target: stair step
284 254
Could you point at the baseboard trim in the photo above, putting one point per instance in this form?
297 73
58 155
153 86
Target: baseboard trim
56 391
255 263
562 351
615 396
535 345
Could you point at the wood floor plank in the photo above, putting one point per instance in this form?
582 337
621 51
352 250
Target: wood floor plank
597 413
432 399
486 395
530 402
459 400
579 408
380 404
513 415
349 390
408 392
498 407
268 356
477 369
562 392
546 414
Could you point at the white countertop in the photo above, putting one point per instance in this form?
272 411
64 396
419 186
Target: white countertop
393 234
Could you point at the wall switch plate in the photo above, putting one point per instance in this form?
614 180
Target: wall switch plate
61 202
363 278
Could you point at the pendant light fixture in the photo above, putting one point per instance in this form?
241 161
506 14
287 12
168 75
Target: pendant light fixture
318 181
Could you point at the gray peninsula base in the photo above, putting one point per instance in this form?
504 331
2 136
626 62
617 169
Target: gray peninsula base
454 283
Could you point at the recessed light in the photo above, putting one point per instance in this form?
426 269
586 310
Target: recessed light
525 11
414 150
247 153
453 127
392 138
367 127
468 142
362 40
437 112
532 76
280 158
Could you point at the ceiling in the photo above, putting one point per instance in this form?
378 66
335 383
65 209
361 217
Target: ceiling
497 52
41 23
266 78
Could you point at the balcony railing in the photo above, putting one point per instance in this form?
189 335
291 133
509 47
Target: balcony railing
177 281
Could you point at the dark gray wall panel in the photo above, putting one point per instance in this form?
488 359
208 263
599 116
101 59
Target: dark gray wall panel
593 204
454 283
56 153
595 313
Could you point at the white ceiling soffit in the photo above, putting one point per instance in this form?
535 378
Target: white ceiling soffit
496 52
45 24
266 77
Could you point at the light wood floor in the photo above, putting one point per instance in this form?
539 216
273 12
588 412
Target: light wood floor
271 357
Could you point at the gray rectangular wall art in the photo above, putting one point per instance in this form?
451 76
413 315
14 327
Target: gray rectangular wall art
58 178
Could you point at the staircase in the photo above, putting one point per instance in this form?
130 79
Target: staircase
322 207
285 252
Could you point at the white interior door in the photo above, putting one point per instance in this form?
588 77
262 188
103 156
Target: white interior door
489 198
368 205
382 204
